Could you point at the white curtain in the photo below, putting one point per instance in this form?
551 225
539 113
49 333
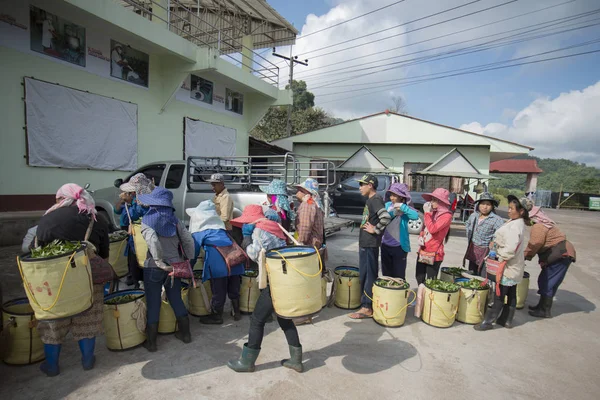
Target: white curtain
203 139
69 128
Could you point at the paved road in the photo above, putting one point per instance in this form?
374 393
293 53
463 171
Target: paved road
538 359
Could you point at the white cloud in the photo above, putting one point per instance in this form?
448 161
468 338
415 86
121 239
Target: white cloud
567 126
357 102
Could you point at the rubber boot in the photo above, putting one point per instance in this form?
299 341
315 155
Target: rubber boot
50 366
151 335
508 314
503 315
490 316
88 359
183 332
246 361
235 305
295 360
545 310
214 318
537 306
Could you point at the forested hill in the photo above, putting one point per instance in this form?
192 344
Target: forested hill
573 176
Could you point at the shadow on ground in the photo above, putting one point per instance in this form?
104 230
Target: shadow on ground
370 357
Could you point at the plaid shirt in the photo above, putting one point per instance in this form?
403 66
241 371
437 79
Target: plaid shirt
482 232
310 224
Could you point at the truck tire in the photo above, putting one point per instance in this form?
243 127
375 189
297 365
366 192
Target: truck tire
415 227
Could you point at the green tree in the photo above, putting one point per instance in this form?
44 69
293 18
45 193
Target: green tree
305 117
303 99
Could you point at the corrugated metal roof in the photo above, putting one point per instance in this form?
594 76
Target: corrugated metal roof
515 167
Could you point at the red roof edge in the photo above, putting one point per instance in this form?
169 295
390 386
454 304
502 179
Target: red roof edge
515 166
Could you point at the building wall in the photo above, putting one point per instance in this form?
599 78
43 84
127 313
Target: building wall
159 134
395 155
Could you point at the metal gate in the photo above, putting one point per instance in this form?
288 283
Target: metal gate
543 198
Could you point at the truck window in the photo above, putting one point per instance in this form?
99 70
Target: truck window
154 172
175 176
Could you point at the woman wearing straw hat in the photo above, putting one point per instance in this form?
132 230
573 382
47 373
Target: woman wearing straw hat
130 209
69 220
209 232
555 255
165 236
262 232
310 216
481 226
395 243
437 218
278 200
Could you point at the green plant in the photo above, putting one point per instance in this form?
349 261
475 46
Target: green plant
347 273
473 284
441 286
392 284
453 271
126 298
55 248
251 273
117 236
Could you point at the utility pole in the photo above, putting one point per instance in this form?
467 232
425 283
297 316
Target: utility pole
292 60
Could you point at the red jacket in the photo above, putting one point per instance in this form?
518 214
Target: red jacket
438 230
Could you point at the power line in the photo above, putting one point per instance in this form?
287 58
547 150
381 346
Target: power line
464 50
393 27
455 55
477 69
446 35
409 31
351 19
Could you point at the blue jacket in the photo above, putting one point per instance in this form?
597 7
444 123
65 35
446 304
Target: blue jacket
136 212
214 264
399 222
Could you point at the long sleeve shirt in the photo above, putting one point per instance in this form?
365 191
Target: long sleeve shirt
262 240
309 225
481 231
224 205
165 250
438 229
396 233
510 241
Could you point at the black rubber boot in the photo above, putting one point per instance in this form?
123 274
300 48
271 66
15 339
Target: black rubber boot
183 334
151 335
490 316
545 310
508 314
235 305
246 361
295 360
214 318
537 306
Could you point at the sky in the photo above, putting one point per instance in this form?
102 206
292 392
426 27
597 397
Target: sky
553 106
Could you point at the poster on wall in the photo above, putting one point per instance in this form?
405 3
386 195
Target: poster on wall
56 37
202 90
128 64
234 101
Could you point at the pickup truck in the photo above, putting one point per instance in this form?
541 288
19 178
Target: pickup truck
187 180
349 203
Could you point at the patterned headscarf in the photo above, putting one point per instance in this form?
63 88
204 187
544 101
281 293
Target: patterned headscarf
72 193
311 188
540 217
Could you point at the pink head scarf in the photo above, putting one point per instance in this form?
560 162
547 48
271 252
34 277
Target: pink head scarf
539 217
72 193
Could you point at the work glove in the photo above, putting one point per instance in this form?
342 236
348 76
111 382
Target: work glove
247 229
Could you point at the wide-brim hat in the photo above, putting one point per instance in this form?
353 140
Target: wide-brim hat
160 197
250 215
526 203
440 194
138 183
276 187
310 186
204 216
399 189
487 197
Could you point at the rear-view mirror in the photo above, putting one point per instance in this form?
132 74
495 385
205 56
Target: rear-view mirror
118 182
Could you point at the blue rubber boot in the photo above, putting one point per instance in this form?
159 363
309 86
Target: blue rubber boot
87 353
50 366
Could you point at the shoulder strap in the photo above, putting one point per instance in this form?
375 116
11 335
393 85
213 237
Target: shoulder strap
180 242
89 230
